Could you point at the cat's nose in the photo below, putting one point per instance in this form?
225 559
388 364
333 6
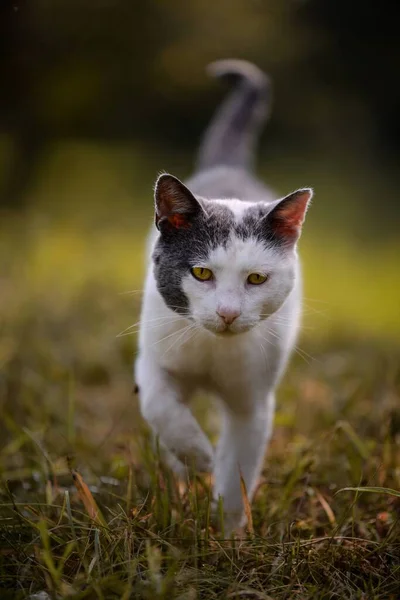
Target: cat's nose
227 315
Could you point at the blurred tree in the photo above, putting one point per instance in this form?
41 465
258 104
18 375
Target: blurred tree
116 69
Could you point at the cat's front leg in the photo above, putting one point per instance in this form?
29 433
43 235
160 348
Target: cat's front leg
241 450
162 405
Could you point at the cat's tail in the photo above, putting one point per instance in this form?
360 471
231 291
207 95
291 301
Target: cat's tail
232 134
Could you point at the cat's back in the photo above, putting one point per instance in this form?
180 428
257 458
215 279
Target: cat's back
229 182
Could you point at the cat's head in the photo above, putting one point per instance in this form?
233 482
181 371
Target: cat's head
226 264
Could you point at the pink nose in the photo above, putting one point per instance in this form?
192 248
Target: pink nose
228 316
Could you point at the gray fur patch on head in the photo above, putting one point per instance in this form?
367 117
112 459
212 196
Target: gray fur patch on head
178 250
254 224
279 223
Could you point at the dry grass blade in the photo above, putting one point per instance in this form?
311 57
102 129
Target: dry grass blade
328 511
87 498
246 504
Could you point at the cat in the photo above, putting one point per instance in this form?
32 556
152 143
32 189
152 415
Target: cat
222 298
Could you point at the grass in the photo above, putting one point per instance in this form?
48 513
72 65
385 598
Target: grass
86 508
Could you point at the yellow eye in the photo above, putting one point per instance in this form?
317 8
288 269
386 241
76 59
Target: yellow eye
256 278
202 274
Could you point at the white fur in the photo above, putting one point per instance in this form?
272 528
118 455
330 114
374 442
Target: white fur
179 356
238 207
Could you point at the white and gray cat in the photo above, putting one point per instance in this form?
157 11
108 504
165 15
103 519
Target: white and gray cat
222 298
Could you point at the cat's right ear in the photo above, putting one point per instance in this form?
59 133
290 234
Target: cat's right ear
174 203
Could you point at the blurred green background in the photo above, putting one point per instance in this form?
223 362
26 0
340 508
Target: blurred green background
98 97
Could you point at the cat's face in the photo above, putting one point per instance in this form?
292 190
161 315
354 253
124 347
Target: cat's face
226 264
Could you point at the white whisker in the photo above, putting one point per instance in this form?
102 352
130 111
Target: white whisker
171 334
186 330
289 324
311 310
304 355
165 321
130 292
264 352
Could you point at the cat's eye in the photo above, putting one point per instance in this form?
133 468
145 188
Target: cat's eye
201 273
256 278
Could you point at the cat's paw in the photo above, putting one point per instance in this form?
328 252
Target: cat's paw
191 447
199 458
228 522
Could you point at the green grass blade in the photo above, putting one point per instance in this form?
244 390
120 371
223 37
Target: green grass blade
371 490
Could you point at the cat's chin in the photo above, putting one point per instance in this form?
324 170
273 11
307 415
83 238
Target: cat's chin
228 332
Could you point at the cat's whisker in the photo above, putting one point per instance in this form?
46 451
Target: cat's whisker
289 325
171 334
283 321
135 331
165 321
195 331
186 330
130 292
265 338
273 321
306 310
317 300
264 352
278 322
311 310
304 355
270 342
173 317
180 308
274 316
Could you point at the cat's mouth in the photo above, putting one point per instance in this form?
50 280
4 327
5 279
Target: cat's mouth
228 330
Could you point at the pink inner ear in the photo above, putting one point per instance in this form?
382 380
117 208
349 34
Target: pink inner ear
175 203
178 221
289 215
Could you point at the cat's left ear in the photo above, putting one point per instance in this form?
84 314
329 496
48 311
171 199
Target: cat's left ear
175 204
285 220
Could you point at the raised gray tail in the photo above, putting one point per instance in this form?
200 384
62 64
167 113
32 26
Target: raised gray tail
231 137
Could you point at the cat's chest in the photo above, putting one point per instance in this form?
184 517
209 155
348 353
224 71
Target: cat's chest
183 349
190 352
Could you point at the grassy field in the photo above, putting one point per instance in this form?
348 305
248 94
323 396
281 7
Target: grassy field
87 511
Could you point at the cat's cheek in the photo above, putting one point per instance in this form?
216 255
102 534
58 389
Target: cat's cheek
273 300
201 297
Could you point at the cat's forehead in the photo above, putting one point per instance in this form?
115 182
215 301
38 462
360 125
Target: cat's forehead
233 210
227 217
233 235
236 208
231 230
239 254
